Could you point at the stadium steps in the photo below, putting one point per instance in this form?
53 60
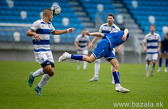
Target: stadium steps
82 15
135 32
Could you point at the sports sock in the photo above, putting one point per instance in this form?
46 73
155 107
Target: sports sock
166 63
97 68
116 77
38 72
77 57
147 69
153 67
111 68
84 65
112 71
78 65
44 80
160 62
69 55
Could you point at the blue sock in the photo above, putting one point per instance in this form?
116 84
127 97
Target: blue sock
77 57
116 77
166 62
160 62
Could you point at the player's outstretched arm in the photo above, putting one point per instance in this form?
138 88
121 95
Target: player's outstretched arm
58 32
97 34
125 34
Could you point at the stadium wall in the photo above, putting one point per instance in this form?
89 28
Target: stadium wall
28 55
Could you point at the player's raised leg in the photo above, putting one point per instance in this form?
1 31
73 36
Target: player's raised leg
66 56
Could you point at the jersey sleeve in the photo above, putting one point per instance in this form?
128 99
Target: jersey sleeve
117 28
77 38
100 29
159 38
52 28
35 25
145 39
88 38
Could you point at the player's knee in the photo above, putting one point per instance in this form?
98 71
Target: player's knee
154 62
51 73
116 66
90 60
48 70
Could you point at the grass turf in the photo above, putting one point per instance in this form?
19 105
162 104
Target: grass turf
71 89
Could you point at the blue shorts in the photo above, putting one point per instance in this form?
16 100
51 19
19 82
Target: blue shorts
164 49
103 50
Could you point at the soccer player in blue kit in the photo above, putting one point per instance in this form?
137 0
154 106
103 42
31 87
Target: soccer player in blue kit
103 49
163 50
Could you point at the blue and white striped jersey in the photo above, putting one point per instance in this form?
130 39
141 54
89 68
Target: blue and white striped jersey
104 28
152 43
82 41
43 30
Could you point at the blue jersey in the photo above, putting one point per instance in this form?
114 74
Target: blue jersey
164 42
115 38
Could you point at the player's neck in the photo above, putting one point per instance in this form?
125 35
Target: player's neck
152 33
110 24
45 20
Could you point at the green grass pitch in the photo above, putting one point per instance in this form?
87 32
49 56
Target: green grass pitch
71 89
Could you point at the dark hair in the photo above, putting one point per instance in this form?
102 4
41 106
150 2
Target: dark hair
111 15
153 25
46 11
166 33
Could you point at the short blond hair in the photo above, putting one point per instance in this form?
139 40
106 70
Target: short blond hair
46 12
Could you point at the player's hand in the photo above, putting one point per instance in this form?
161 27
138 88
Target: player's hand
79 48
119 50
144 49
158 49
69 30
90 45
124 38
87 33
37 37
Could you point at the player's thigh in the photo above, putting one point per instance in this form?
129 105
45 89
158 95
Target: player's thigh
115 63
50 58
41 57
155 56
148 57
101 50
109 55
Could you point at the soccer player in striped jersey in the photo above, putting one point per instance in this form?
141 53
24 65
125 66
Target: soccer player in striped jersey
103 49
40 32
81 42
108 27
152 41
163 49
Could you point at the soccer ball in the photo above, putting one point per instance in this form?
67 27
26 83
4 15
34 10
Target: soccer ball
56 9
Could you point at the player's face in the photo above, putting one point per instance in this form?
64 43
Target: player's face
50 16
152 28
166 36
83 32
110 19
